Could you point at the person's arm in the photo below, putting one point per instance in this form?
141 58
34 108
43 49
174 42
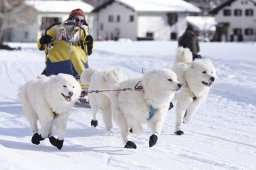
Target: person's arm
46 39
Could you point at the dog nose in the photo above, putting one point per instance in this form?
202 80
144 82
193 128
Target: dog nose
179 85
212 78
70 93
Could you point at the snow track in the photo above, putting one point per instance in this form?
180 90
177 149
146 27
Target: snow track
221 135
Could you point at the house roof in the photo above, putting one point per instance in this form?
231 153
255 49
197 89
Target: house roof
202 22
224 4
153 5
59 6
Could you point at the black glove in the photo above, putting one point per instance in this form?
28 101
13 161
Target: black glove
89 41
45 39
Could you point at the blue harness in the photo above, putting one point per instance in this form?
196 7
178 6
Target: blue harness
151 111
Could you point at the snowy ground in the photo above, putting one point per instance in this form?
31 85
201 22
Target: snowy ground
221 136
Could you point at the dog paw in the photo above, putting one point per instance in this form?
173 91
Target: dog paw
179 132
152 140
170 106
94 123
36 138
130 145
56 142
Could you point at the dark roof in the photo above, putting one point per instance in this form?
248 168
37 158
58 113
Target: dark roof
98 8
223 5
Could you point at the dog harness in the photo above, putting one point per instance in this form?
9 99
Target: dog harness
151 111
54 114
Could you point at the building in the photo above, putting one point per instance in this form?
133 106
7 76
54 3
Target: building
236 20
205 5
95 3
141 19
204 26
48 12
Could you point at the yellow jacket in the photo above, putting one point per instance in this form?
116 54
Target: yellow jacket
65 55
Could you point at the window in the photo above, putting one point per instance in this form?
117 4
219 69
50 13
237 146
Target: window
25 35
237 31
101 26
118 18
248 31
131 18
238 12
172 18
249 12
110 18
227 12
47 21
150 35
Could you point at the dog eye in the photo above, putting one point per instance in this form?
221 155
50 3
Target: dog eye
170 80
65 86
73 86
204 72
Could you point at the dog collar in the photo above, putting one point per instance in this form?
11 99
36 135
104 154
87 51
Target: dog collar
191 92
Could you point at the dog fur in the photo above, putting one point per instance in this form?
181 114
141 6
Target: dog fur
49 100
102 80
130 108
197 78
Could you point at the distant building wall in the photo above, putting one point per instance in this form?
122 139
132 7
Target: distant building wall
114 21
238 23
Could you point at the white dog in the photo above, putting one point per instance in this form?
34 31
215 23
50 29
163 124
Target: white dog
102 80
132 109
197 77
49 99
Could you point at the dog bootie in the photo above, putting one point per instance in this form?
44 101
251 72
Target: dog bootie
56 142
94 123
36 138
130 144
152 140
179 132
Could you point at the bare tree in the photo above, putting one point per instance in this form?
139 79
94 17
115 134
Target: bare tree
15 13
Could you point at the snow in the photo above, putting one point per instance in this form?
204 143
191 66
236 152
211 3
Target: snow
160 6
221 136
202 22
59 6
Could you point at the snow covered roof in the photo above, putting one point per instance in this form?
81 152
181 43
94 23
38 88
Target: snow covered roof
154 5
59 6
202 23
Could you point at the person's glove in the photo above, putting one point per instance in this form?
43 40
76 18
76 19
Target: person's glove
89 43
45 39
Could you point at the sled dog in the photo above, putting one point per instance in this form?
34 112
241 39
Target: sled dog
49 100
148 104
197 78
102 80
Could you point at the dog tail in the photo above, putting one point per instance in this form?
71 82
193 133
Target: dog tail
115 76
184 55
86 75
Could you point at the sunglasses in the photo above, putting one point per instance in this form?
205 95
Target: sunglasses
82 21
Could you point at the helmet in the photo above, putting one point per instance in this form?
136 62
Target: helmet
76 12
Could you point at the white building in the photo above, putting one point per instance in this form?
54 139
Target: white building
236 20
204 26
141 19
49 12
